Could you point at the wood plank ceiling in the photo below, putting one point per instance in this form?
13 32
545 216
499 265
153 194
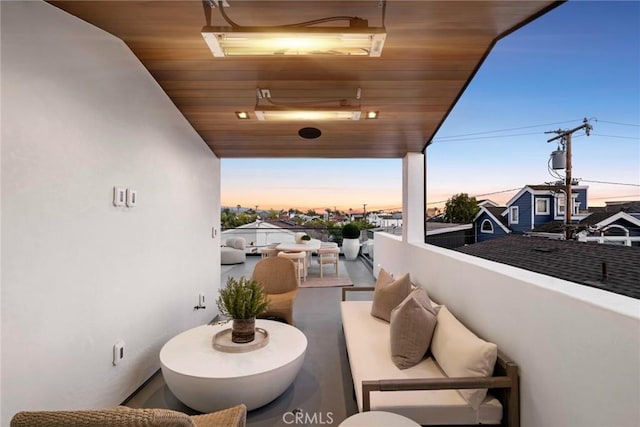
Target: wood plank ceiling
432 50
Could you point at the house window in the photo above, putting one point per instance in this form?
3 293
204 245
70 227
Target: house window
542 206
514 215
486 227
561 209
560 206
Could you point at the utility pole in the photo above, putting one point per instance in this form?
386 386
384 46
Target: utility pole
565 140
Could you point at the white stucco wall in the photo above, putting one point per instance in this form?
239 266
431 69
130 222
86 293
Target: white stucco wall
578 348
81 115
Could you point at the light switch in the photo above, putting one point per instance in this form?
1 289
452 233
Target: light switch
119 196
118 352
132 197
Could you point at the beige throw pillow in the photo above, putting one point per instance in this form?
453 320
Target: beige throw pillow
411 329
460 353
388 294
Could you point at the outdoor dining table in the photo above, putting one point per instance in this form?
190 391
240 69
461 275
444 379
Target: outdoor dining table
310 246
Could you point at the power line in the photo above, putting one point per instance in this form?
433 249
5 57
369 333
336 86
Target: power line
449 141
480 195
486 137
613 197
616 136
498 192
612 183
505 130
618 123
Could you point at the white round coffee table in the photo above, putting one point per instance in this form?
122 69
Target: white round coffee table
206 379
378 419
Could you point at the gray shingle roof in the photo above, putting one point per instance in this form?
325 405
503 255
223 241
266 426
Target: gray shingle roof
496 211
602 213
567 259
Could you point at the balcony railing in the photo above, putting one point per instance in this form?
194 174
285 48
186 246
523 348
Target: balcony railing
262 236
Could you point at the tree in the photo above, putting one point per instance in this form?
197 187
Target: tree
461 209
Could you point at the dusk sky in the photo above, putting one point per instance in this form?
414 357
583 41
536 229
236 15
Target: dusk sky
580 60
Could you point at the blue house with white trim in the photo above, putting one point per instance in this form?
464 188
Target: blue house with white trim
489 223
532 207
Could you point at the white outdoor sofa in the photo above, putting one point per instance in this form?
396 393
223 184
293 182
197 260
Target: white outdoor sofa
233 251
423 392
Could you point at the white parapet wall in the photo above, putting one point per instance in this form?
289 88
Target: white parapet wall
578 348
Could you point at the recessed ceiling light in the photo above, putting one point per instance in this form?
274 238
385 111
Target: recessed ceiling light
372 115
242 115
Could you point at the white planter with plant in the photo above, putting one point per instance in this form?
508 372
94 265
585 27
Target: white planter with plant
242 300
350 241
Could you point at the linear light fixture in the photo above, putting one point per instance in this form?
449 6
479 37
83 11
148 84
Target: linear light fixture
281 113
303 38
293 41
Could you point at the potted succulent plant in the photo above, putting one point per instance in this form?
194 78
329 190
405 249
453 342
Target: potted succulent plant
242 300
305 239
350 241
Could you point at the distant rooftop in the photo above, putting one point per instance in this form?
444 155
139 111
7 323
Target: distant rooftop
567 259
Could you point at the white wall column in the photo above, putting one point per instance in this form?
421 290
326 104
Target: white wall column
413 198
80 116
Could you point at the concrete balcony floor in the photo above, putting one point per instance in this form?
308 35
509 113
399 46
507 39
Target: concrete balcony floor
323 387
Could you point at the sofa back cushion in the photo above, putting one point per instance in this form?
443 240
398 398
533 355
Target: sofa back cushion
411 328
460 353
389 293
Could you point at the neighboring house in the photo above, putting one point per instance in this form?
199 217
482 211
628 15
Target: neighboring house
610 268
447 234
536 205
487 203
617 223
258 234
538 211
385 220
490 223
532 207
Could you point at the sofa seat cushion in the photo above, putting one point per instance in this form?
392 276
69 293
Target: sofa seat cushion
231 256
368 344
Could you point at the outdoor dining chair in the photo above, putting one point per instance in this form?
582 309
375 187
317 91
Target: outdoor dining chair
278 277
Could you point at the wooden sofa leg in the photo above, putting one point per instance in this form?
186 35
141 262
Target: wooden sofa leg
512 395
367 388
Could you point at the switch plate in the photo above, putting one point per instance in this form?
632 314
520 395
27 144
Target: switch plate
132 197
119 196
201 299
118 352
